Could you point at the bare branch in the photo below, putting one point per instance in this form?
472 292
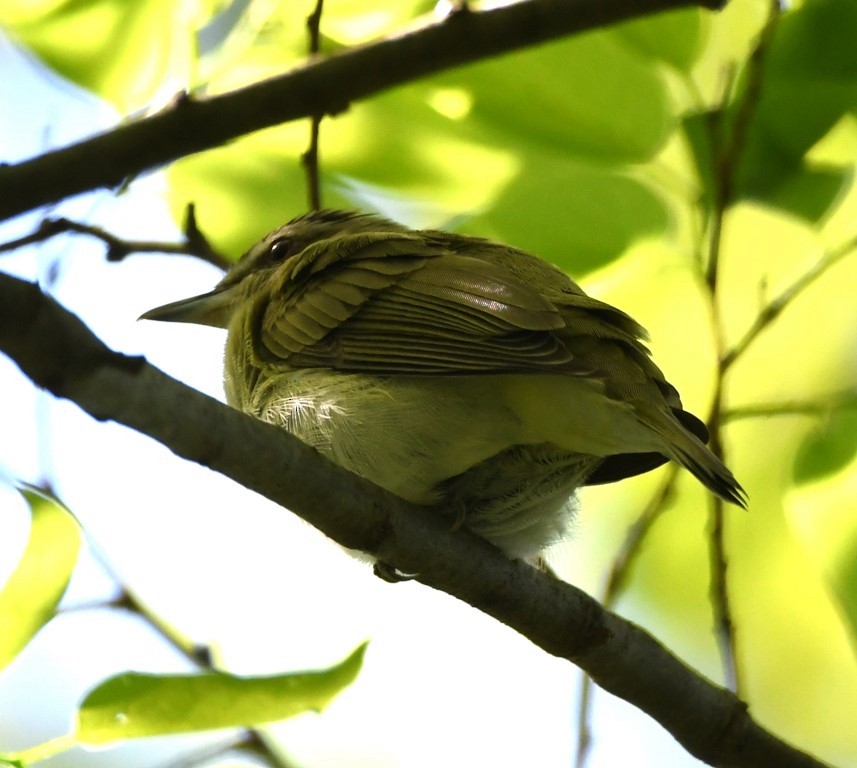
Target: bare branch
118 248
724 626
774 308
322 87
844 399
614 586
310 157
731 138
58 352
248 740
728 142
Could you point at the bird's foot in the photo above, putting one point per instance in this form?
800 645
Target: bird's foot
390 573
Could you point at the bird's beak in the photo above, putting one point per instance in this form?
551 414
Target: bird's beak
213 308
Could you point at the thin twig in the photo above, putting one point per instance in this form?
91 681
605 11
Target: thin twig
727 153
248 741
118 248
198 244
310 157
614 585
775 307
209 753
844 399
723 155
310 163
724 626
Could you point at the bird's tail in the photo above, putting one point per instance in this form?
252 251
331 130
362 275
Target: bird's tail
685 447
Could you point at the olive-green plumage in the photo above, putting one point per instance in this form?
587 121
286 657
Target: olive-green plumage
448 369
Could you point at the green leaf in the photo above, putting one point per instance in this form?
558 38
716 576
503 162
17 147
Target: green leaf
602 213
676 38
809 83
133 704
591 95
828 449
124 50
843 581
30 597
821 510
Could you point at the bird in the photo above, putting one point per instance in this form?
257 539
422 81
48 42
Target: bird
455 372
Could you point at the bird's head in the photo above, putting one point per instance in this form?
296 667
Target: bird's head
215 308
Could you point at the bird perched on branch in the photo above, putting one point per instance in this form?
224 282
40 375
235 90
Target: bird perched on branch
450 370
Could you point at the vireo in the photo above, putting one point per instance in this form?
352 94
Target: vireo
448 369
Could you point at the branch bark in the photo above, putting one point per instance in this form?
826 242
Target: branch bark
321 87
59 353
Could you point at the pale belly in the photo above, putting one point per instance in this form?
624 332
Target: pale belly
460 442
405 434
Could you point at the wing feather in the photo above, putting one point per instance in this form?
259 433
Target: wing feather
397 304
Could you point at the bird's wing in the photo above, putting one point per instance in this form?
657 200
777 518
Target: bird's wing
394 303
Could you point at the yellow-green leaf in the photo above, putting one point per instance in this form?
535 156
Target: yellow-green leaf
124 50
133 704
30 597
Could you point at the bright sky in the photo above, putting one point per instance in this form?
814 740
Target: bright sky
442 684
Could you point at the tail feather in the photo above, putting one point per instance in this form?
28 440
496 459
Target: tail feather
686 447
714 475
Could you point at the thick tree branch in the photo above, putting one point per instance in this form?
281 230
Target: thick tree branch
58 352
323 86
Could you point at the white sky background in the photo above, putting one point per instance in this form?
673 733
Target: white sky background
442 684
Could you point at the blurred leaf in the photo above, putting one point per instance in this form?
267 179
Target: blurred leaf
589 95
352 22
578 216
30 597
397 144
78 39
809 192
809 83
811 74
676 38
133 704
843 580
244 189
462 141
823 515
828 449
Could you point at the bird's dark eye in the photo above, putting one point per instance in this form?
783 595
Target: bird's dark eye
281 249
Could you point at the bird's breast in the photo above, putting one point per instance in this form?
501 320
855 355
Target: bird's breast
406 434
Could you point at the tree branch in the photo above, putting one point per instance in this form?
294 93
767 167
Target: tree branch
728 142
614 586
118 248
310 157
774 308
823 406
321 87
58 352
